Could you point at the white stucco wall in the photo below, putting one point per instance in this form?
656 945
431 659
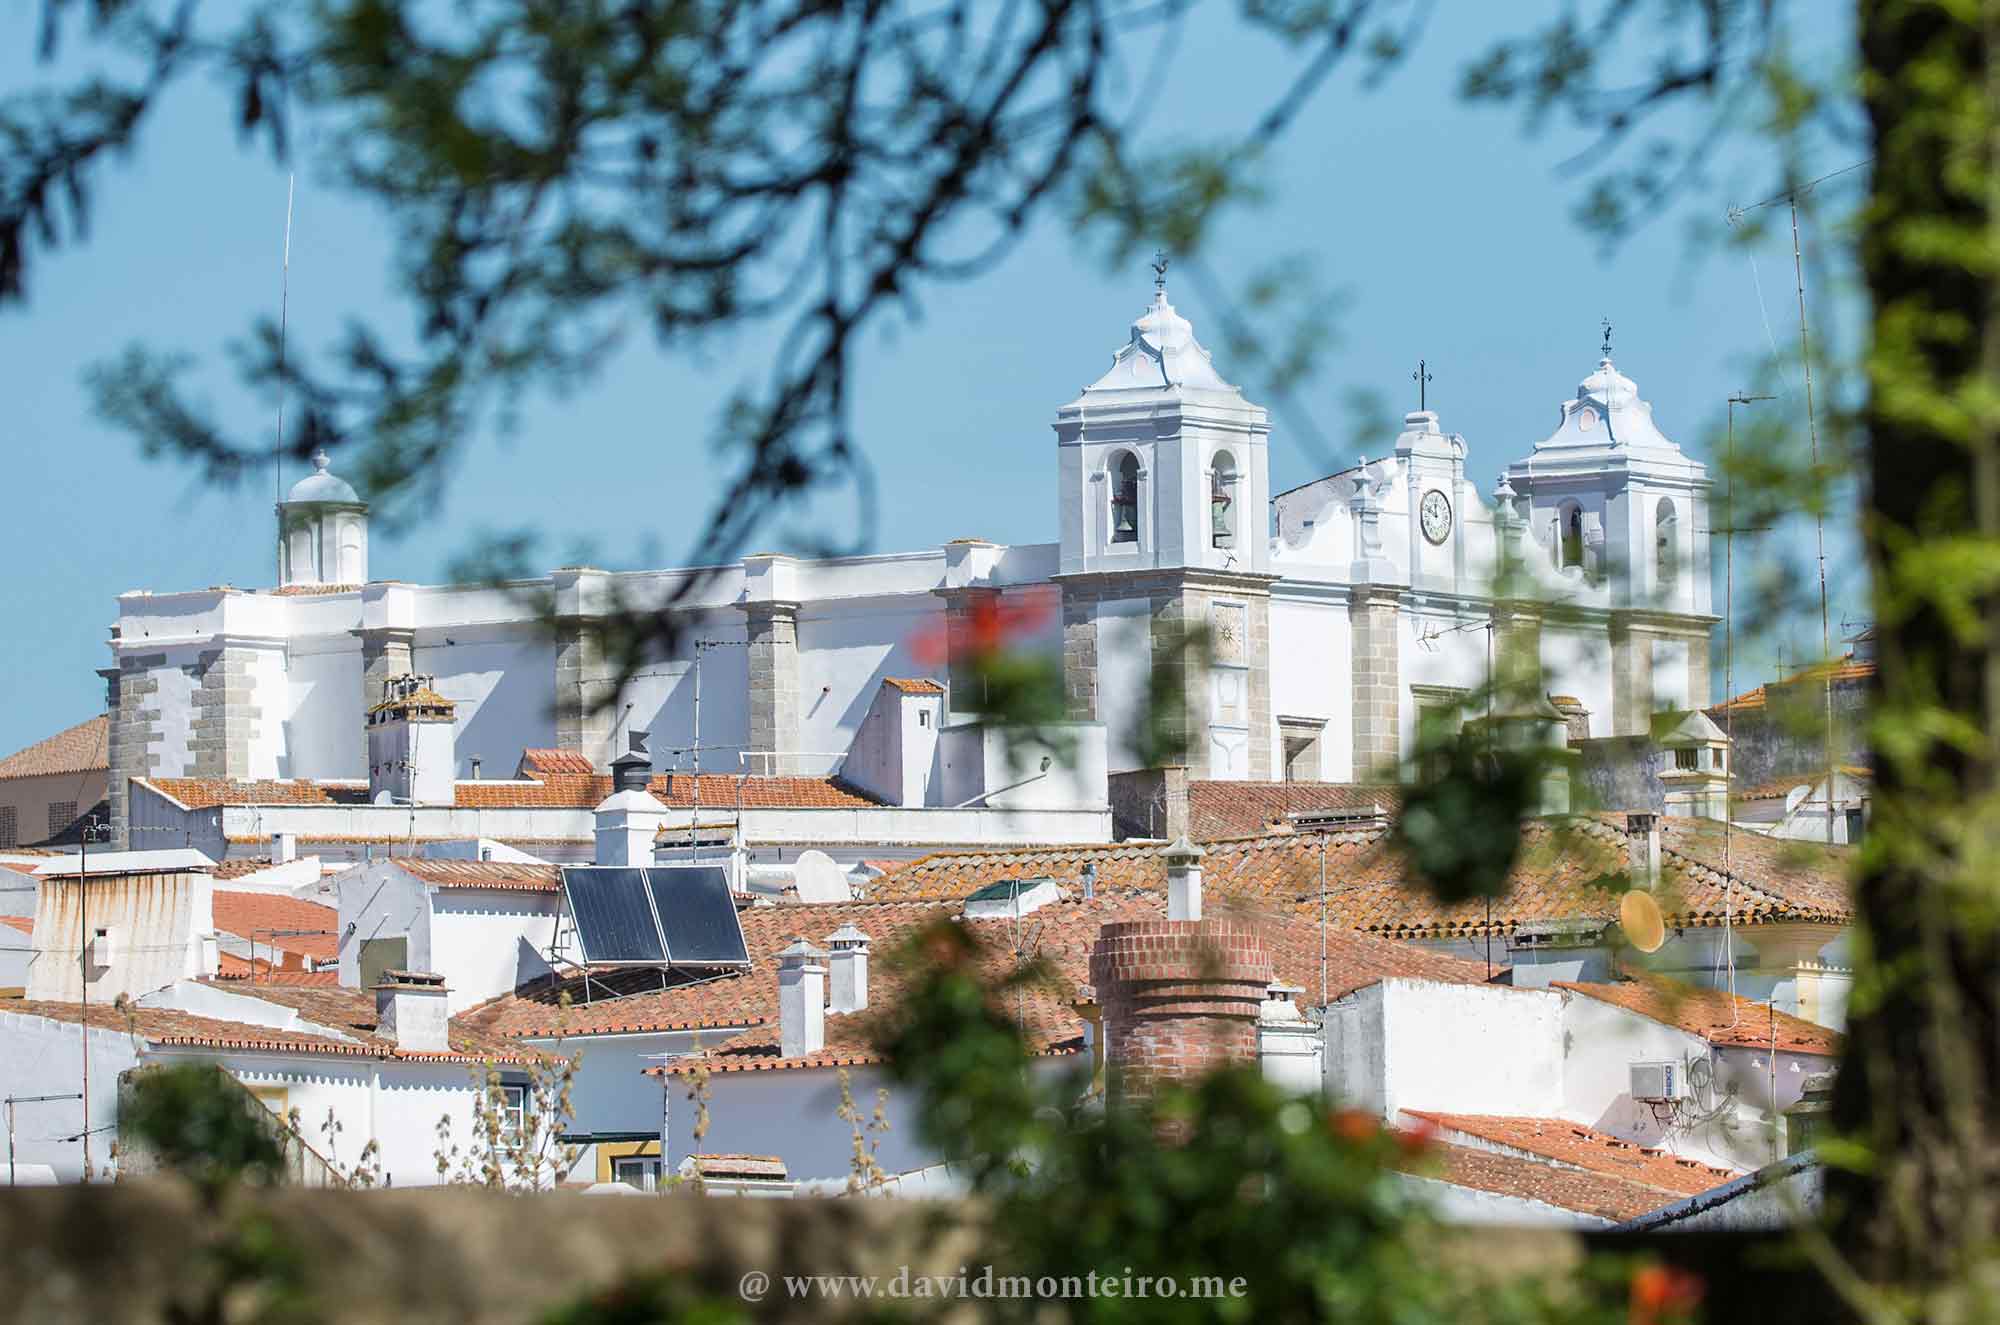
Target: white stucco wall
1311 675
487 941
1472 1049
43 1057
379 901
159 925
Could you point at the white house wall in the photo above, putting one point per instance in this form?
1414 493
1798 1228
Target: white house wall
1472 1049
43 1057
487 941
324 737
379 901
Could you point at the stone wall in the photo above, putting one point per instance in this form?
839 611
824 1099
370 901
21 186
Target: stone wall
1377 685
1149 803
773 632
135 730
226 713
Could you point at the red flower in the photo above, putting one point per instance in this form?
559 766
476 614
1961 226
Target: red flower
1662 1292
1415 1138
985 628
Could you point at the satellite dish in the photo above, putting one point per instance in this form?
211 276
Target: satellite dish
819 879
1639 915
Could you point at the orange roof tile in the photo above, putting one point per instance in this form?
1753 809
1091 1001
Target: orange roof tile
1848 671
26 924
551 791
350 1012
1564 874
913 685
536 762
1242 809
718 791
507 876
1586 1192
84 748
1064 933
1713 1015
253 916
1780 787
1585 1148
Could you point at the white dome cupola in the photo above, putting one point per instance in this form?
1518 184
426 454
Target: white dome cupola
322 531
1164 464
1616 506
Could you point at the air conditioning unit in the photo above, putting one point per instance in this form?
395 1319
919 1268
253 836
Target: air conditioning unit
1657 1083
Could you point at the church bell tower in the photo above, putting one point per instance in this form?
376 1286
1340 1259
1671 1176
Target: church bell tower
1165 497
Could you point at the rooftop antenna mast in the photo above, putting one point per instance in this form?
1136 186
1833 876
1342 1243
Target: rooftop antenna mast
284 316
1819 517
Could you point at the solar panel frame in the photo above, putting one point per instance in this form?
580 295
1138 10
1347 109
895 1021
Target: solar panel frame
618 912
697 914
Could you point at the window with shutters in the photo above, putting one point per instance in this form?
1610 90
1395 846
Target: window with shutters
9 827
61 815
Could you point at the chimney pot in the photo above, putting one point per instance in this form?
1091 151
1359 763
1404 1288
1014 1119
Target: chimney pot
413 1009
1184 880
801 999
847 981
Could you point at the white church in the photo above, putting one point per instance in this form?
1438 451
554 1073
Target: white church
1337 613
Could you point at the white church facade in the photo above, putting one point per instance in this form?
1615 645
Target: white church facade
1335 614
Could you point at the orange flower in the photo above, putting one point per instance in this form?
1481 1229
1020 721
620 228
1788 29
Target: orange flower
1415 1138
1663 1292
1353 1126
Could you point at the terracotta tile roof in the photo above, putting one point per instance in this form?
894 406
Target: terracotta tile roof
1779 788
252 916
1561 876
209 793
1709 1014
1581 1190
1585 1148
26 924
84 748
508 876
350 1012
537 762
237 867
551 791
1848 671
719 791
1064 932
913 685
1242 809
259 973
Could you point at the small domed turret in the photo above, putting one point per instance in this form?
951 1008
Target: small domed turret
322 531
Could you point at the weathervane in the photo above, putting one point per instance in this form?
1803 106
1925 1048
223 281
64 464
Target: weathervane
1422 377
1607 338
1160 270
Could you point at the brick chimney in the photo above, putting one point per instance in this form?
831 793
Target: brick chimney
848 969
412 1008
1180 998
801 999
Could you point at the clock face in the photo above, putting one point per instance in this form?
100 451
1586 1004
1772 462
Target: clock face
1436 512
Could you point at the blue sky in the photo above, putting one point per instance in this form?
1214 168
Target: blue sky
1446 230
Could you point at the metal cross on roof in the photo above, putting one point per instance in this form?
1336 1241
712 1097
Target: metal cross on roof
1160 269
1422 377
1607 338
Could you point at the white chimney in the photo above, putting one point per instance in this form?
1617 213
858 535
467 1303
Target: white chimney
801 999
411 1008
412 744
848 967
1184 880
630 817
284 848
1642 837
1289 1049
